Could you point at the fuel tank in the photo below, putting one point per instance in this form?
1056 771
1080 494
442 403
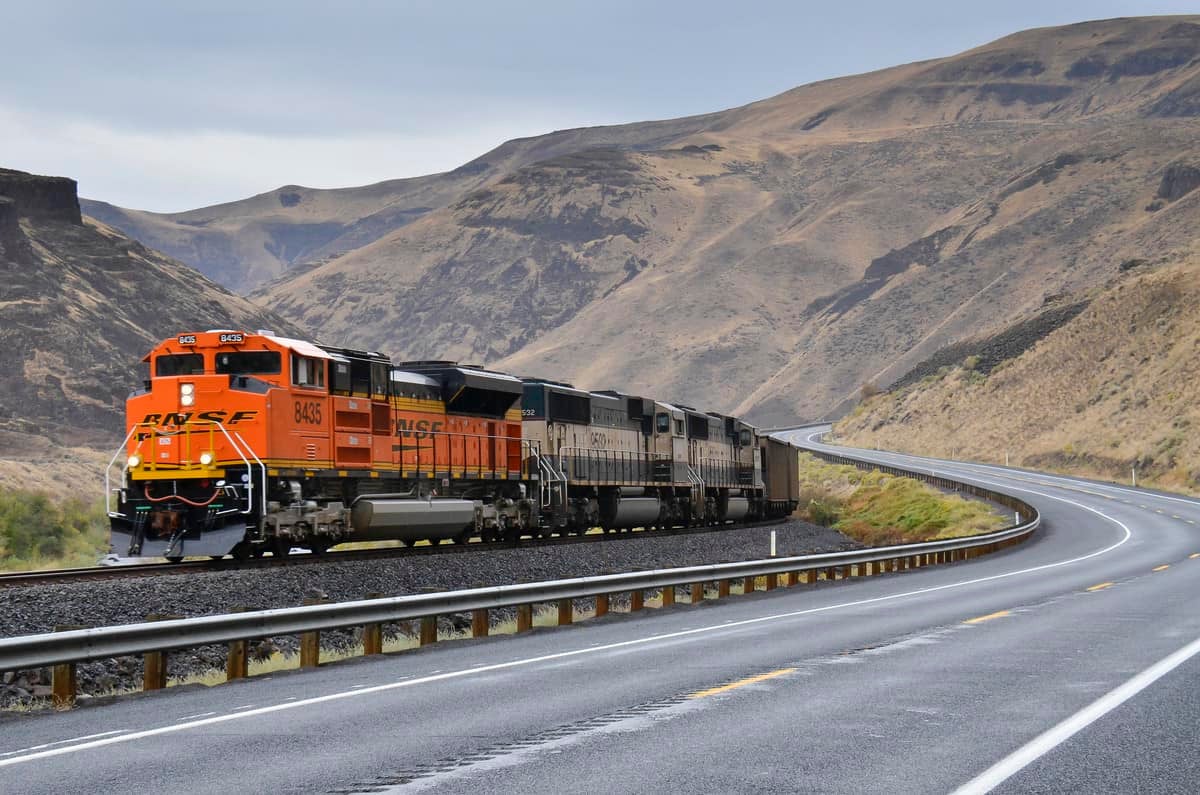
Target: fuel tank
389 519
619 510
736 509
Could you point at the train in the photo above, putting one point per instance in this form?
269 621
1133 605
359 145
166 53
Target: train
245 443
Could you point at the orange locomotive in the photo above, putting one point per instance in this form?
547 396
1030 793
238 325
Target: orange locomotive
246 442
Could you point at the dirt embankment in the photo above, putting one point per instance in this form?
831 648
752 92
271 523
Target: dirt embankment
1112 390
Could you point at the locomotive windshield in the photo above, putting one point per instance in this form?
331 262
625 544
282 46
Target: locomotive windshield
179 364
249 363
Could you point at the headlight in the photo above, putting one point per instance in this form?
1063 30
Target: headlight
206 459
134 461
187 389
187 400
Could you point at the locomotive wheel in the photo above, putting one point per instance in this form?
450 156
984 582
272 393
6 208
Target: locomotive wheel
280 548
174 558
240 551
463 537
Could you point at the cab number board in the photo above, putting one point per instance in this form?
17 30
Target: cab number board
227 338
307 412
187 339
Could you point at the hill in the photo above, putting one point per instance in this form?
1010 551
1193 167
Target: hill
81 305
1108 390
773 258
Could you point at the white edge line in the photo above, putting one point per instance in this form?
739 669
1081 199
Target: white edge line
60 742
1051 739
437 677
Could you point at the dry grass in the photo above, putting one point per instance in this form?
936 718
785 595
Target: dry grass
1113 389
879 509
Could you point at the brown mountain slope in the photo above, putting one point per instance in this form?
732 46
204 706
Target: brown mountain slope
1111 389
772 258
246 243
79 307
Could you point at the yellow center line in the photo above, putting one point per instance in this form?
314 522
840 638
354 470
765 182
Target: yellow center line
1164 566
712 691
988 617
1100 587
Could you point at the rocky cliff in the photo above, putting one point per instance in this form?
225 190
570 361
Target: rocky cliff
80 305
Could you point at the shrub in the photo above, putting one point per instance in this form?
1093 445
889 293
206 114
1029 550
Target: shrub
38 532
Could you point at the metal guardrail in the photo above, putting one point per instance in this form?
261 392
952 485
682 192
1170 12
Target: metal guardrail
64 649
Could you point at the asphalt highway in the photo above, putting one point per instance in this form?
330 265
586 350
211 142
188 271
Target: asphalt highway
1061 665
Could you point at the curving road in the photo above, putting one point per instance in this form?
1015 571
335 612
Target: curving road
1061 665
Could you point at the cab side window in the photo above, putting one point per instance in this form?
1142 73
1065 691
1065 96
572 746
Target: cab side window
308 372
662 422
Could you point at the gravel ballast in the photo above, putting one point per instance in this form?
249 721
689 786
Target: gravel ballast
40 608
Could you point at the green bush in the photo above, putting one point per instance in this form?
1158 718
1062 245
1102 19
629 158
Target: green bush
39 532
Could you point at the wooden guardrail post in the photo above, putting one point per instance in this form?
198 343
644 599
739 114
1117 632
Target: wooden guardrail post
772 581
601 605
310 642
722 588
63 681
566 612
524 618
237 657
748 584
810 576
636 600
372 634
668 595
697 593
429 628
480 623
154 663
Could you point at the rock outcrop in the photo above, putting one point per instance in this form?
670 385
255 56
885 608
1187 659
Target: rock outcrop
44 199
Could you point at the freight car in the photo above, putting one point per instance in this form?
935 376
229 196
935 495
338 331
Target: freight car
242 443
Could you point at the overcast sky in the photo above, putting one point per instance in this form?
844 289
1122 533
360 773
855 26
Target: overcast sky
168 106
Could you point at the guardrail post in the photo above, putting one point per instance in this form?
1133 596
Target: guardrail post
810 576
697 593
722 589
237 660
154 663
566 612
310 642
428 630
601 605
372 634
793 579
748 584
636 598
668 595
63 683
772 581
524 618
480 623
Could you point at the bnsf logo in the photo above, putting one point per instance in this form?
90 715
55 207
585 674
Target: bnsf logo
181 418
418 429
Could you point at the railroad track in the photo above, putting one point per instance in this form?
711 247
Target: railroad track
58 576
